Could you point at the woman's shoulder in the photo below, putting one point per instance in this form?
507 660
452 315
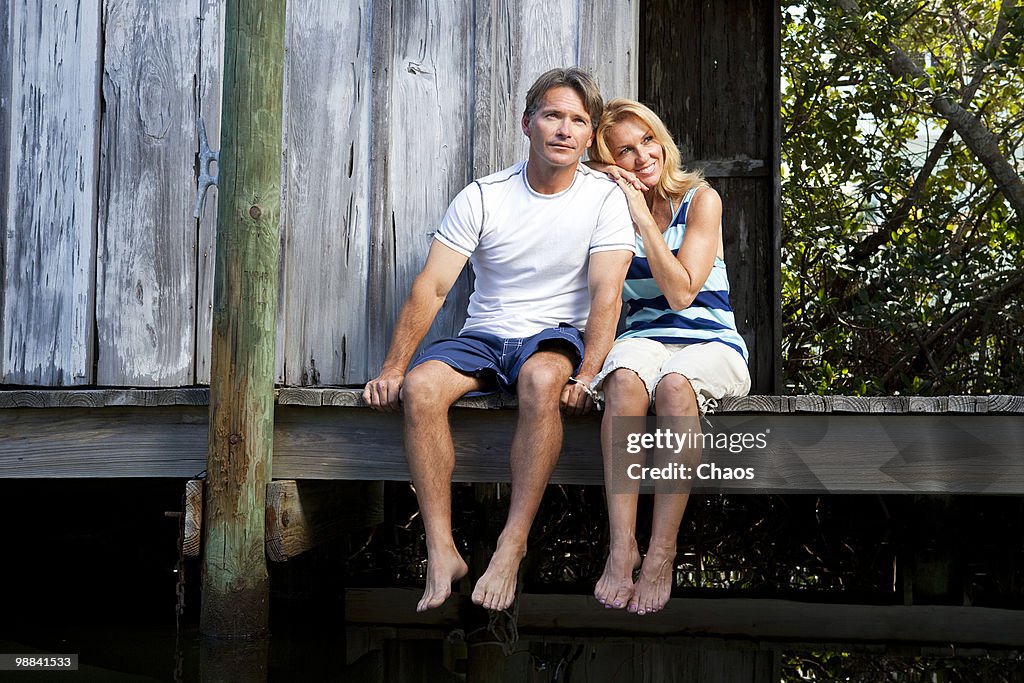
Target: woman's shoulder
699 202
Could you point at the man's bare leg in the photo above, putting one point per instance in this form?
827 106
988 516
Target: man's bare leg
625 395
535 450
427 393
674 397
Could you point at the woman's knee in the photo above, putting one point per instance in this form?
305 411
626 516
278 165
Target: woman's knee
675 396
625 391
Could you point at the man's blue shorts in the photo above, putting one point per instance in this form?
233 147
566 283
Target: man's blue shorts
486 356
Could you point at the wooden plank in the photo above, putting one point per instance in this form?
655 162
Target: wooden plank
296 396
711 73
1006 404
304 514
102 443
51 73
326 222
608 34
811 404
192 540
928 404
730 168
967 404
748 257
421 81
6 74
849 453
757 618
870 404
671 64
352 397
755 404
209 75
736 83
517 40
146 279
99 398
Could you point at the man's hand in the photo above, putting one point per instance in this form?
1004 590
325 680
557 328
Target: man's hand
575 399
384 392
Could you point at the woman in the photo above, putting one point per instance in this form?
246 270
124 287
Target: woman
680 351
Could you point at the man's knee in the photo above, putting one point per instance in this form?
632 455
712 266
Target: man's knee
426 388
544 374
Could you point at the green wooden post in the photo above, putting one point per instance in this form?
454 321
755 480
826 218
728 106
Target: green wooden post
235 590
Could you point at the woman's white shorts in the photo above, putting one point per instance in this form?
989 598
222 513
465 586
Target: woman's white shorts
714 370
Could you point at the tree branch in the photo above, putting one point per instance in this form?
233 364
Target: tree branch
975 135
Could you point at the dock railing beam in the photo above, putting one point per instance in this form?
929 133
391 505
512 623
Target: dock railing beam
235 588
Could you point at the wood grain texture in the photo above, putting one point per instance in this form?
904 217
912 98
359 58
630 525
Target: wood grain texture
757 618
1005 404
748 256
304 514
146 276
608 39
710 70
808 403
849 453
192 540
209 82
422 150
352 398
6 73
519 40
101 443
326 219
51 109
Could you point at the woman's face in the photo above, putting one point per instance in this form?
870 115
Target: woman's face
633 147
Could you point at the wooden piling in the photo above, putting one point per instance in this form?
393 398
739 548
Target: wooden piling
235 588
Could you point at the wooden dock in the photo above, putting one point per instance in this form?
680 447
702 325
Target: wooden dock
328 434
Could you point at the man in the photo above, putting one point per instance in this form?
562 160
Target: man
550 241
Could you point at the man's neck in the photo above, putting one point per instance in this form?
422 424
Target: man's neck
549 179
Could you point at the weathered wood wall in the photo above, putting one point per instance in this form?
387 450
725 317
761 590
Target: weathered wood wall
107 276
710 68
50 67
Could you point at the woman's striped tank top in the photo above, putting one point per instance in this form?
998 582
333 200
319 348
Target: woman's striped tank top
708 319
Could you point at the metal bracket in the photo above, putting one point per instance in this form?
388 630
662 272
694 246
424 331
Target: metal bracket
206 157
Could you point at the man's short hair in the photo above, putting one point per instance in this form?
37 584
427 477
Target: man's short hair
572 77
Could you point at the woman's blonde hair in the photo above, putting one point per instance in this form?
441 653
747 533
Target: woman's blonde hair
675 181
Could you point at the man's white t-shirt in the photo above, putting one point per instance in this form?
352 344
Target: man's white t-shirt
530 252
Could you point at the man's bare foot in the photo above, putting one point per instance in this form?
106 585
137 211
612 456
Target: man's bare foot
615 587
443 568
496 589
654 585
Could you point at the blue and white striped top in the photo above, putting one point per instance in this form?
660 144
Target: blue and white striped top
708 319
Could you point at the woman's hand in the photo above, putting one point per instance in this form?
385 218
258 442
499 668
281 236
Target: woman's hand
617 173
636 201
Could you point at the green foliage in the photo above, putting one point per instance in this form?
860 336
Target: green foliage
897 279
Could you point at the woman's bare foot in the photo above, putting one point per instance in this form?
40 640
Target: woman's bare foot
496 589
443 568
654 585
615 587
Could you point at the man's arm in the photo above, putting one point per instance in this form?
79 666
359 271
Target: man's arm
429 290
607 271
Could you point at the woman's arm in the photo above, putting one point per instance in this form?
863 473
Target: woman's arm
680 277
615 173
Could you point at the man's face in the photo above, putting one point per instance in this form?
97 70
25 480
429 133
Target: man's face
559 130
